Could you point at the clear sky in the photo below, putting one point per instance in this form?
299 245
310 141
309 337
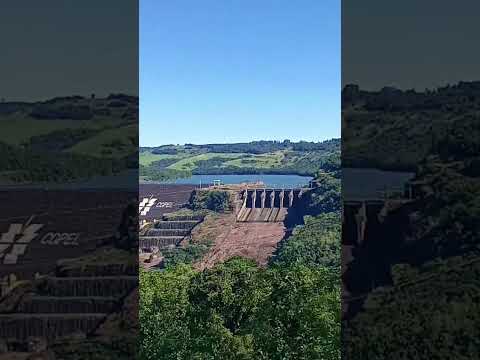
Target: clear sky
410 43
60 48
239 70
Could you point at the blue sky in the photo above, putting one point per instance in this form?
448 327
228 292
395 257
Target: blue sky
216 71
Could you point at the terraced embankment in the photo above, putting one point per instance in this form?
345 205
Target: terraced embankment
169 231
74 300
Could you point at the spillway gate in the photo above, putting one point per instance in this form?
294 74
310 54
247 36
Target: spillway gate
267 204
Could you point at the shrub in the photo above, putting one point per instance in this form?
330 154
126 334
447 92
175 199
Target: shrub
216 200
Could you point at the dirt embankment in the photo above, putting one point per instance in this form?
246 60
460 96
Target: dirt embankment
256 241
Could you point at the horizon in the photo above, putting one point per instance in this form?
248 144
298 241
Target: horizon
363 88
240 142
231 72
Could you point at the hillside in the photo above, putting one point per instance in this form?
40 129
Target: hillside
68 138
396 129
259 157
425 275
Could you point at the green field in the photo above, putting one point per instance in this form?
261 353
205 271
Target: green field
146 158
190 162
67 138
16 131
242 158
271 160
114 143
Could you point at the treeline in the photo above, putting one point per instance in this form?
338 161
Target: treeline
59 140
151 173
158 170
303 165
26 165
254 147
234 170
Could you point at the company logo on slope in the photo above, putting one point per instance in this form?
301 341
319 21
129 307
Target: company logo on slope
14 242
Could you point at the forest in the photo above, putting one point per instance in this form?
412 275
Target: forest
253 147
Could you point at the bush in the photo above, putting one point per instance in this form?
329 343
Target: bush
184 255
216 200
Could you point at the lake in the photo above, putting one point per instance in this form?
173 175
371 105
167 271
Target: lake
126 180
279 181
364 183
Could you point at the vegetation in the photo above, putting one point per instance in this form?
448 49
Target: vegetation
325 197
216 200
258 157
426 314
184 255
254 147
151 173
426 275
26 165
66 139
237 310
315 244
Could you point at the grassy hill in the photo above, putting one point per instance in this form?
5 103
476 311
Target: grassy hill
396 129
67 138
267 157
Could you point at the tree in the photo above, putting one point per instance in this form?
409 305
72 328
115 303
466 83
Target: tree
214 200
300 319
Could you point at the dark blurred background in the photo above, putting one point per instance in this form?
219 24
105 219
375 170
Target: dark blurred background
410 155
69 179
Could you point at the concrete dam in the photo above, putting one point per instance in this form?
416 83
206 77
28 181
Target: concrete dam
267 205
363 220
372 233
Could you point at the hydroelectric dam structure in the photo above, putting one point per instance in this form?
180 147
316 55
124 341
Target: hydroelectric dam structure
267 204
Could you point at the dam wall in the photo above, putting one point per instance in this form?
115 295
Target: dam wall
267 205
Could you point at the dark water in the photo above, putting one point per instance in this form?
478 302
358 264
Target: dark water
127 180
280 181
366 183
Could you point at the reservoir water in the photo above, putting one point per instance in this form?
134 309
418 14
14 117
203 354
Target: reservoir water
278 181
357 183
125 181
365 183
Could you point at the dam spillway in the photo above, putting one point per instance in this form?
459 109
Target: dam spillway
362 220
267 205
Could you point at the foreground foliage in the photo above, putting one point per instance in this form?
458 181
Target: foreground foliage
429 312
317 243
240 311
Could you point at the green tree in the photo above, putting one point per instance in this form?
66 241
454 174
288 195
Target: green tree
316 244
215 200
164 305
300 319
